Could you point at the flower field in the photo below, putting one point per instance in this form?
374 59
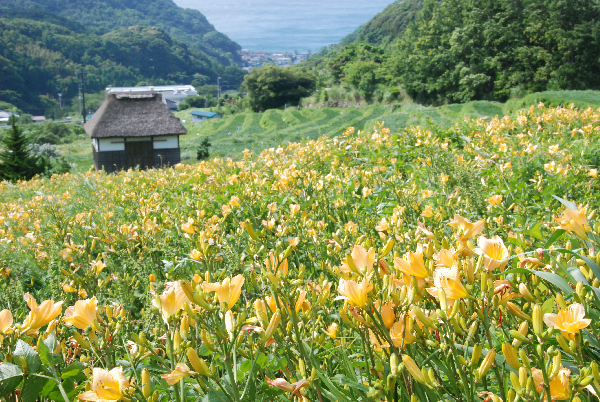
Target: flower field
453 264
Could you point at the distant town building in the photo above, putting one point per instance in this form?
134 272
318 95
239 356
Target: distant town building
134 129
172 95
38 119
199 116
5 116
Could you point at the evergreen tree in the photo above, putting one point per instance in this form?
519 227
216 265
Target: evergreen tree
16 161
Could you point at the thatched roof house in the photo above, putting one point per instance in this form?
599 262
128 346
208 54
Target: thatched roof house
134 129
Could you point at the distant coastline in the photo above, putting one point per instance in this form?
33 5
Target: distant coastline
252 59
274 26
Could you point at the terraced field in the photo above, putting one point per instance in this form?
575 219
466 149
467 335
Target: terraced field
233 134
256 131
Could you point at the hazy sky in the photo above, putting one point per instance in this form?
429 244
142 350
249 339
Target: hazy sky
277 25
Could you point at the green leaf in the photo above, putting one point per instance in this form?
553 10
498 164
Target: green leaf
29 354
32 388
215 396
566 203
72 370
535 231
10 378
262 360
554 279
548 306
555 236
50 341
45 354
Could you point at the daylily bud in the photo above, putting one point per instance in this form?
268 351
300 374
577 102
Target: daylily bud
514 379
197 363
517 312
443 301
413 369
537 319
423 318
524 359
595 371
486 364
146 387
177 342
250 230
560 301
510 354
394 361
525 292
563 343
207 340
302 368
388 248
476 355
273 324
472 330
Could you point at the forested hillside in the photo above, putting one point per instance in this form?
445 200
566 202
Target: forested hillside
456 50
41 51
188 25
388 25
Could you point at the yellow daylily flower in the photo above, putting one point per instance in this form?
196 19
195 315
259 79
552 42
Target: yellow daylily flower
294 388
387 313
40 315
560 387
495 200
228 291
294 209
575 221
171 300
568 321
332 330
412 264
6 320
83 314
465 229
188 228
362 259
106 386
445 258
428 212
356 294
181 371
399 332
494 252
448 280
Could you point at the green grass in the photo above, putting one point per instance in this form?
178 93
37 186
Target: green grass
232 134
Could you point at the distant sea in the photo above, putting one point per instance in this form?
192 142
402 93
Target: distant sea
286 25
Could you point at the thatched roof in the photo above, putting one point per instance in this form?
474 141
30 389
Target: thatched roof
133 115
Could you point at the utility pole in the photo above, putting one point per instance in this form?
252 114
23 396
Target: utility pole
81 75
218 88
60 99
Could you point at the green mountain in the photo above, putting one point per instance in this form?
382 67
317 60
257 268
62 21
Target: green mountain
454 51
388 25
119 43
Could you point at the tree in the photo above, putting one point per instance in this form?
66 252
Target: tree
203 149
17 163
270 87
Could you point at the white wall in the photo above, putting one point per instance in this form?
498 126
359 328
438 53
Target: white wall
166 142
117 144
111 144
